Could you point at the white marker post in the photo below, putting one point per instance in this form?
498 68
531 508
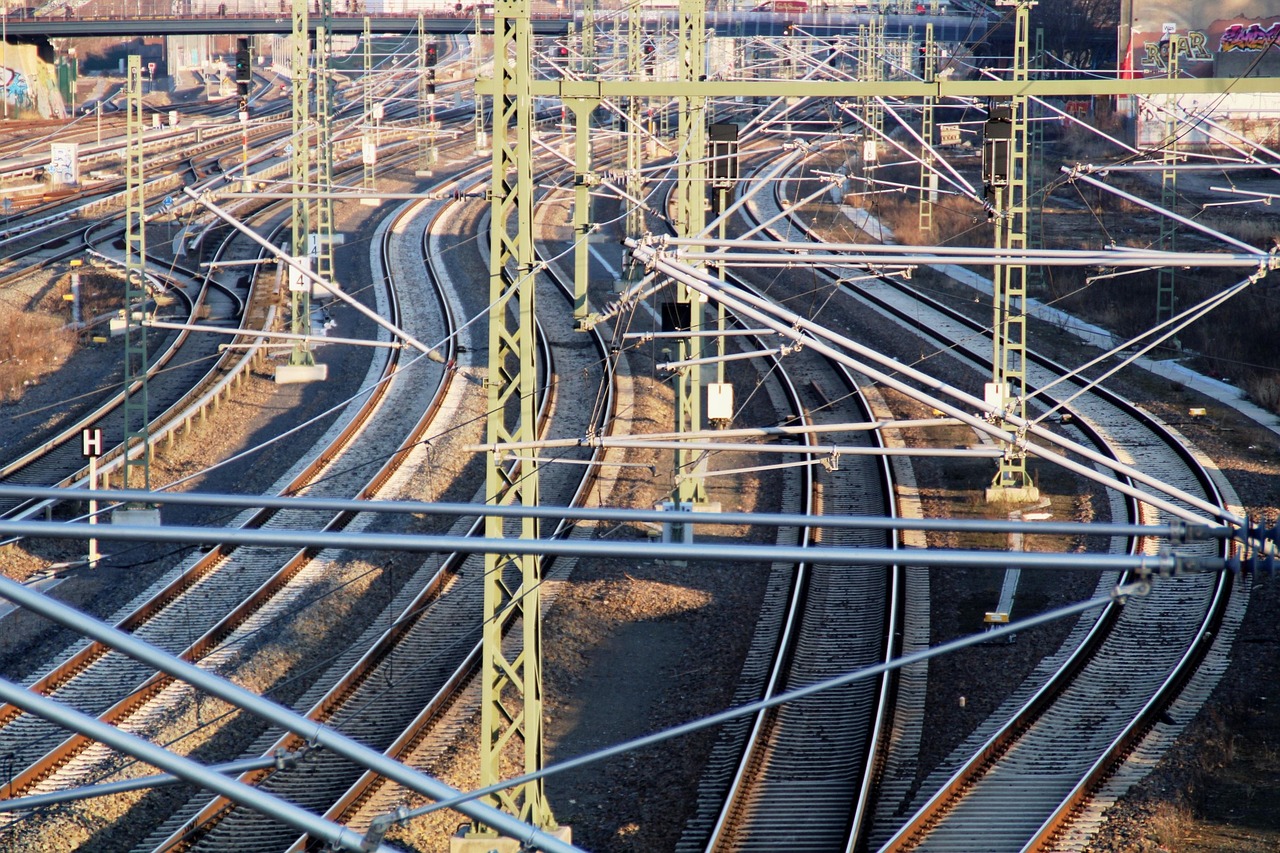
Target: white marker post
91 445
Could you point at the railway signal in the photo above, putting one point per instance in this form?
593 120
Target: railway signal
432 54
244 68
997 141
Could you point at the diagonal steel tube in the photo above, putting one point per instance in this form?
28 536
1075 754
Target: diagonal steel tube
264 708
816 336
183 767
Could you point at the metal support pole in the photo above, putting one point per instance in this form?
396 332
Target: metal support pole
872 70
137 469
691 217
1008 391
1166 299
369 144
928 175
511 735
634 222
427 153
482 142
94 554
324 146
300 173
583 180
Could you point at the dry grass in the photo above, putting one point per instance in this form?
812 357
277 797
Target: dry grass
1170 823
31 346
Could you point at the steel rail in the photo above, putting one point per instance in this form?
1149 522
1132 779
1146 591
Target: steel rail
1002 740
363 791
185 582
212 813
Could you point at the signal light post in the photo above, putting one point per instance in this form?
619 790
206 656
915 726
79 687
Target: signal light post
244 79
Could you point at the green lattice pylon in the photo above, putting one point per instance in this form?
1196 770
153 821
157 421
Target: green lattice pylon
1166 297
300 172
1009 281
324 146
691 220
137 469
511 731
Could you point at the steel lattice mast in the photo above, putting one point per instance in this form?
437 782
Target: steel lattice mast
691 219
511 735
324 144
135 287
634 222
1009 282
583 177
482 144
1166 301
928 176
300 172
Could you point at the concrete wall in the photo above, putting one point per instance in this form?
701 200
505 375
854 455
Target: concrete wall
29 86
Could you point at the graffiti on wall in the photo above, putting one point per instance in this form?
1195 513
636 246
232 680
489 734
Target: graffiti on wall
1191 48
16 88
1252 37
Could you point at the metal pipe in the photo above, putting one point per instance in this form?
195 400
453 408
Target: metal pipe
288 336
1175 531
718 359
279 715
644 337
1234 166
1190 223
106 789
904 259
762 311
743 432
792 253
810 449
714 551
180 766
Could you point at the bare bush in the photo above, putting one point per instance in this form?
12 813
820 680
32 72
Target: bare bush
31 346
1170 823
1263 390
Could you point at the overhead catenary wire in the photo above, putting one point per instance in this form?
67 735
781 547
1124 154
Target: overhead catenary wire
309 730
788 697
839 348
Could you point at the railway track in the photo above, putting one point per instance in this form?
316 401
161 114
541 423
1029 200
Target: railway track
418 674
815 756
762 812
1039 765
234 586
178 372
179 377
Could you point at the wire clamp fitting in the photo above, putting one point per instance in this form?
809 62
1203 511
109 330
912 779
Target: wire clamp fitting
1122 592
